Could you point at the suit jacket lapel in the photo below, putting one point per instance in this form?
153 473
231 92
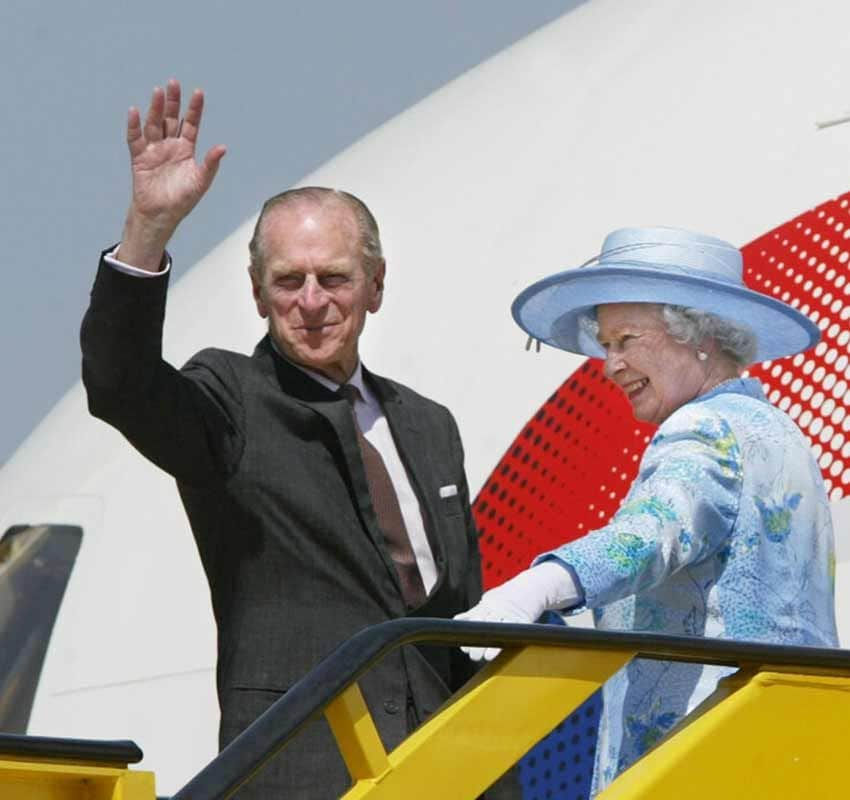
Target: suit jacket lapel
337 414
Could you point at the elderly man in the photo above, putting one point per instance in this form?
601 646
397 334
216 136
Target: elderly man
323 498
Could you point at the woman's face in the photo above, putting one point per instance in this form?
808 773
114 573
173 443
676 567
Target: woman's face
657 373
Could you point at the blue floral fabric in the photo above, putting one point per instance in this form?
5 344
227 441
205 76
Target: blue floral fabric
726 533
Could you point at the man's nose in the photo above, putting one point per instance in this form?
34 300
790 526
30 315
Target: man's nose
312 297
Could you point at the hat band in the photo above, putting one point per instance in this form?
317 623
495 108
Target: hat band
733 279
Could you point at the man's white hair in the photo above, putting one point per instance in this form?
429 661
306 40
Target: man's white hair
370 237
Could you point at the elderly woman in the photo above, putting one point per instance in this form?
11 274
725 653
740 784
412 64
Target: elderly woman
726 531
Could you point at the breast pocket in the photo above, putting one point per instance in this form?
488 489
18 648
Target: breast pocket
450 500
452 507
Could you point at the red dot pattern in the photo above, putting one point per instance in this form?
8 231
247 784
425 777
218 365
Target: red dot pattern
569 468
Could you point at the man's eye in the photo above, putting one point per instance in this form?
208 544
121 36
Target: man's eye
332 281
288 282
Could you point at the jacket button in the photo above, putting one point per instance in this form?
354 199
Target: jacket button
391 707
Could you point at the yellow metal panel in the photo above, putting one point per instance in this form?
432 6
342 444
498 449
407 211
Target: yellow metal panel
356 735
776 734
488 726
135 785
34 780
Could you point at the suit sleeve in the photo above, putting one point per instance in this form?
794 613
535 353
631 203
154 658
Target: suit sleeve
187 422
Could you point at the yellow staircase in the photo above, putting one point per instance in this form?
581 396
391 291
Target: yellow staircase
777 728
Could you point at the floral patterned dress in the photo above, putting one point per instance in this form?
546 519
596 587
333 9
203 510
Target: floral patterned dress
725 533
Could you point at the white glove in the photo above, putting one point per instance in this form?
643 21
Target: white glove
522 599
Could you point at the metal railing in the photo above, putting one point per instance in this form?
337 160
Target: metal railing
306 700
120 751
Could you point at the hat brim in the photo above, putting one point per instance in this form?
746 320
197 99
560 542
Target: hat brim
550 310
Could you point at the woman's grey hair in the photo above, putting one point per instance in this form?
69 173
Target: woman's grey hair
692 327
370 238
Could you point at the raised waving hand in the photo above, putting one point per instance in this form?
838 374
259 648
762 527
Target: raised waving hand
167 181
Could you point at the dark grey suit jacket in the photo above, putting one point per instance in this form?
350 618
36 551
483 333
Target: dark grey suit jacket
269 470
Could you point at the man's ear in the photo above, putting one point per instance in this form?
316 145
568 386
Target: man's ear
257 291
377 286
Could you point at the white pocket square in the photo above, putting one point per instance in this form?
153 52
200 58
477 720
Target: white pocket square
448 491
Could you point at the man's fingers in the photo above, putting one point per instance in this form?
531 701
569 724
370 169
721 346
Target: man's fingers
211 162
214 156
154 117
192 120
171 125
134 132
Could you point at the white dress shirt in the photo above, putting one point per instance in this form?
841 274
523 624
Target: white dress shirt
128 269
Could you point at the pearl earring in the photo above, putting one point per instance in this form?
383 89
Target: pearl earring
702 355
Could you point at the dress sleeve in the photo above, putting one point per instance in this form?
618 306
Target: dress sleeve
680 510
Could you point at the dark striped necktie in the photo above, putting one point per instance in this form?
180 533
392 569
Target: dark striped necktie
388 511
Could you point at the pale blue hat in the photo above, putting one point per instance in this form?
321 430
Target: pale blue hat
659 265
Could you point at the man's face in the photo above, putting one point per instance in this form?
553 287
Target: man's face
314 289
657 373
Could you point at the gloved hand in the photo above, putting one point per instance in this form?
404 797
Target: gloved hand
523 599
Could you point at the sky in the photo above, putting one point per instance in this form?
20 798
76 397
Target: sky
288 85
